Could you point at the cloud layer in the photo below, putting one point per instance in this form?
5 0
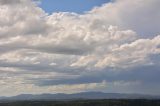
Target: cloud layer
69 52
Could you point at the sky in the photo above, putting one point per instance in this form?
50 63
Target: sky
78 6
108 46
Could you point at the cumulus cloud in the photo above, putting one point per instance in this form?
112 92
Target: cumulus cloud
139 15
63 49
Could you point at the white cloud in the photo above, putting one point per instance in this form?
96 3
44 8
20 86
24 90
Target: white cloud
141 16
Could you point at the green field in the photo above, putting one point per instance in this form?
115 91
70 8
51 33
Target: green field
84 103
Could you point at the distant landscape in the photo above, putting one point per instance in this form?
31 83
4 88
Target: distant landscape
81 99
109 102
77 96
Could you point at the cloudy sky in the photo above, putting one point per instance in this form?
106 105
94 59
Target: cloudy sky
67 47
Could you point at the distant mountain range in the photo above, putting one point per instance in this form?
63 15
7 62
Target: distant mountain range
78 96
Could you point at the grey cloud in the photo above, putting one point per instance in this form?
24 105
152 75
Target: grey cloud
6 2
146 75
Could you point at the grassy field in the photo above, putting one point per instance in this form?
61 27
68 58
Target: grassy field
84 103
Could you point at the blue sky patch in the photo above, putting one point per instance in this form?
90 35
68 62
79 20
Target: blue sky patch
78 6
